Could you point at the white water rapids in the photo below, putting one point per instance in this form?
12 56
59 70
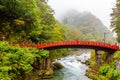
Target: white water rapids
73 68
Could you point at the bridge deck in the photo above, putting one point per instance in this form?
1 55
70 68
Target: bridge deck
77 43
74 44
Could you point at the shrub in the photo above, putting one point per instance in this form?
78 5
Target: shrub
104 69
16 61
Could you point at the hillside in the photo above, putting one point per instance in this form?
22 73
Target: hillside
86 22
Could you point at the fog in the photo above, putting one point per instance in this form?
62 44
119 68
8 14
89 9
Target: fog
100 8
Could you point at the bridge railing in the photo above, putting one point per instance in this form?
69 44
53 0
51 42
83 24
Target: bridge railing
68 43
77 42
22 45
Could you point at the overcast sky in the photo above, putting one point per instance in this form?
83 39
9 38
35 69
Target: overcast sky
100 8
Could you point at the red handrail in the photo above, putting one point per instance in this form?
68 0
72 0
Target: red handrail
69 43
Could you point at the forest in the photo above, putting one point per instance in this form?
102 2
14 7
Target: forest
33 21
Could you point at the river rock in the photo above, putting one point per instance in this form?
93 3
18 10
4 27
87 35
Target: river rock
48 72
57 65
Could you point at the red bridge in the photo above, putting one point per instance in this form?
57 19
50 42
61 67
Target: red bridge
111 48
80 44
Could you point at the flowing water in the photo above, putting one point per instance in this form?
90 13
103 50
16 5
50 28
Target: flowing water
74 69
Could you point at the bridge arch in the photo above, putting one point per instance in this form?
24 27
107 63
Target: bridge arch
111 48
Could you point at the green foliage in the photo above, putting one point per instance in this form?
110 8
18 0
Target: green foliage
19 19
92 61
44 54
27 21
58 53
113 74
117 55
16 62
102 78
116 19
104 69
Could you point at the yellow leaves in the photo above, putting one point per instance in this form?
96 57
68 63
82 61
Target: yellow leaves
57 33
57 30
18 22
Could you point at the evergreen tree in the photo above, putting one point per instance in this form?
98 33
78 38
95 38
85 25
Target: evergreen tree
116 19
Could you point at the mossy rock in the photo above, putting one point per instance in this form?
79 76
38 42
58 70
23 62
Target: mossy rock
48 72
57 65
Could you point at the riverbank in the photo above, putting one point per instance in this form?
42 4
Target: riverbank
73 68
72 64
105 71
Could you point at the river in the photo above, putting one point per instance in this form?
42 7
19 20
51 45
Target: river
73 68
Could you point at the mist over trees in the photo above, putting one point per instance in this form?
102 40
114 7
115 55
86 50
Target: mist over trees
86 24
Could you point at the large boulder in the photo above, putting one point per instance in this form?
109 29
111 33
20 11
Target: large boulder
57 65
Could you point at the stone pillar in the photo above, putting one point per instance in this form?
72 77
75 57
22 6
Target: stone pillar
118 64
47 63
98 57
43 64
109 57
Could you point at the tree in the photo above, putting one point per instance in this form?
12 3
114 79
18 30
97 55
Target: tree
19 18
116 19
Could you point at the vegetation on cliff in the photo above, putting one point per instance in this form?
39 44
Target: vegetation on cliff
106 71
17 63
